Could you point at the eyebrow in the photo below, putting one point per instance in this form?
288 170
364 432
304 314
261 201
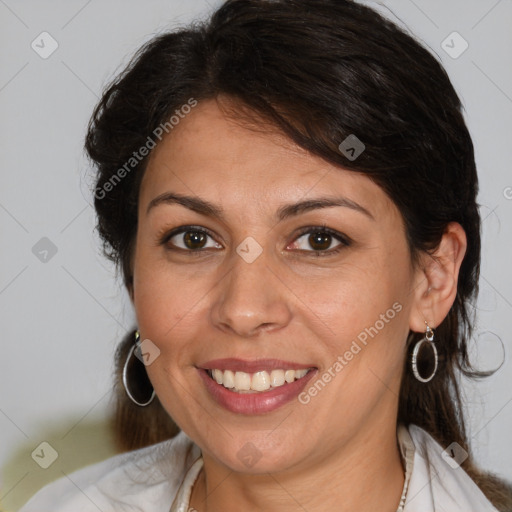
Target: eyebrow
284 212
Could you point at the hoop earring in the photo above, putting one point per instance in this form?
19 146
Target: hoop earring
420 361
141 377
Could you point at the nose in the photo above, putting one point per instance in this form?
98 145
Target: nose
250 299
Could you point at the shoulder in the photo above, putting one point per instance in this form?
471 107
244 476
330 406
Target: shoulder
437 481
145 479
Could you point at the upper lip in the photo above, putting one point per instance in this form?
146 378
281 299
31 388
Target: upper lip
257 365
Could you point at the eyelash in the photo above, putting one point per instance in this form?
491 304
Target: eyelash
164 237
345 241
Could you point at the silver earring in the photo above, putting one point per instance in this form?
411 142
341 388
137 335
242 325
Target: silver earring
136 368
424 366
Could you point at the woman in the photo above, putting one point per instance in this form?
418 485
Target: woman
289 190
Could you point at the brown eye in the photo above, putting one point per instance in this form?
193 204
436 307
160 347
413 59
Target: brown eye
190 239
316 241
194 239
320 241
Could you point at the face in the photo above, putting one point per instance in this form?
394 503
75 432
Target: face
260 266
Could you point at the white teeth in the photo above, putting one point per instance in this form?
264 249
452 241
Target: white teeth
289 375
217 375
228 379
259 381
300 373
277 378
242 381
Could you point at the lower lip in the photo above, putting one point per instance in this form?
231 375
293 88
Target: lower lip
255 403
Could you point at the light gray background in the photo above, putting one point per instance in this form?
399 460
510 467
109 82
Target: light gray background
61 319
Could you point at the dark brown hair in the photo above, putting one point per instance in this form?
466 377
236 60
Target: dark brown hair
318 70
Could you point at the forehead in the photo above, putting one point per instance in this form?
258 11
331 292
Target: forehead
213 155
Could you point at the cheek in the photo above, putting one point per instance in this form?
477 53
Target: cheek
339 303
166 306
163 295
364 311
355 296
156 304
172 307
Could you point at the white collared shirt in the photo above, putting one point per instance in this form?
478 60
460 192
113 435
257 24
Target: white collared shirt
161 476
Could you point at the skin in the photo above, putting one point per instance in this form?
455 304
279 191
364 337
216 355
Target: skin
288 304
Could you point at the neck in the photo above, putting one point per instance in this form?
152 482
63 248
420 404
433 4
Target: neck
368 476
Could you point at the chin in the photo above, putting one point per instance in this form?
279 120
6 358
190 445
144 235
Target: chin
258 452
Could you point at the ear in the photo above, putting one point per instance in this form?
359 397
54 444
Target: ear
436 280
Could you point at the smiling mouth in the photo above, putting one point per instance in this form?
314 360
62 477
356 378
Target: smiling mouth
242 382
